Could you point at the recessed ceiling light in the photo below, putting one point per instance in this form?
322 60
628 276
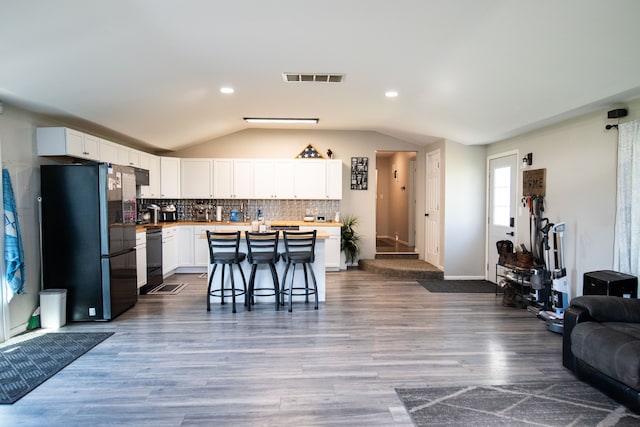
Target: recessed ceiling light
226 90
391 94
280 120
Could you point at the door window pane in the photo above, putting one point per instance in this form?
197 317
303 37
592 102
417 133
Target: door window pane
501 196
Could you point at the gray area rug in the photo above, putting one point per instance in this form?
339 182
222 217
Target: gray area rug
459 286
26 362
572 403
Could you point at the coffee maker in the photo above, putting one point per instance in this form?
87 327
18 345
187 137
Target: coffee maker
204 213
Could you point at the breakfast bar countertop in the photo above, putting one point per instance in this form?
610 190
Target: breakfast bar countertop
277 223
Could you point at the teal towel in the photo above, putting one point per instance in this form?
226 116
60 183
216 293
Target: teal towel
13 252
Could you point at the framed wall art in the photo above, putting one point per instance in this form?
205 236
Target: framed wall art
359 173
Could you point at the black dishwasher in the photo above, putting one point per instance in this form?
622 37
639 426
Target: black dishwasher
154 259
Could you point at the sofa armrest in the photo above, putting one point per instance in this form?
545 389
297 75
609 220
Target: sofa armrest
602 308
572 316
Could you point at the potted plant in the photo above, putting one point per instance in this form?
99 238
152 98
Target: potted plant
350 240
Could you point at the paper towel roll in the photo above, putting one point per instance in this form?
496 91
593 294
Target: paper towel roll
218 213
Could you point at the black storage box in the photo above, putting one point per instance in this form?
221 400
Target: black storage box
608 282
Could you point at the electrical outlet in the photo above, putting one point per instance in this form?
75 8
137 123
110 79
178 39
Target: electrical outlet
92 311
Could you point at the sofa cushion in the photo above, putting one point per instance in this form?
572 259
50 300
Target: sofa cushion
632 329
603 308
614 351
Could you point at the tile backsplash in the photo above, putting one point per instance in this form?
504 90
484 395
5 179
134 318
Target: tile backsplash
287 210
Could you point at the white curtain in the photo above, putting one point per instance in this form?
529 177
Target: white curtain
627 230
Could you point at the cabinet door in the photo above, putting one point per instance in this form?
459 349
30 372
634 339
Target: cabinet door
332 248
169 177
152 164
200 245
243 178
334 179
128 156
283 180
91 146
264 179
141 259
196 178
310 179
169 250
223 178
184 238
108 152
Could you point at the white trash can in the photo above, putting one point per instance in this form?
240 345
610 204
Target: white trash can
53 308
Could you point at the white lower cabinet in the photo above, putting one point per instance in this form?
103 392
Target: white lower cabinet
169 250
141 258
184 237
331 246
201 246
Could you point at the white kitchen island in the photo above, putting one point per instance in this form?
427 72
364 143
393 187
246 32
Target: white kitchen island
263 275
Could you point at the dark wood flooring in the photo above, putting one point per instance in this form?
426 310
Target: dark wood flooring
172 363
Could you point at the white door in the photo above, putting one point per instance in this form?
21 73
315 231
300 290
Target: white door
432 215
503 178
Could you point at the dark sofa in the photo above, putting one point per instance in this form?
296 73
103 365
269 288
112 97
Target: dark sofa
601 345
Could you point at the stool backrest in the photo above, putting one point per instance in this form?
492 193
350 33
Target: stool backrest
262 243
300 241
223 242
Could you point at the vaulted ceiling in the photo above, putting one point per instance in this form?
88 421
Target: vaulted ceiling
473 71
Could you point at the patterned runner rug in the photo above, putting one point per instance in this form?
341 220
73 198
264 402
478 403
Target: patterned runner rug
572 403
28 361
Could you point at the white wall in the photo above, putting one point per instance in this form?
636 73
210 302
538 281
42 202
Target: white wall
17 133
580 158
260 143
464 213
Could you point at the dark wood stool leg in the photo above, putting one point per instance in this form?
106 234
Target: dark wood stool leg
274 276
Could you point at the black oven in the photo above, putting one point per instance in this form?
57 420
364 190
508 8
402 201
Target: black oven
154 258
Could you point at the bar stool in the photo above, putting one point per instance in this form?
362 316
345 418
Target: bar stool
262 249
224 249
299 249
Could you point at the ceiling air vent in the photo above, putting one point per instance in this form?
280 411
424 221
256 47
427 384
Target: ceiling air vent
317 77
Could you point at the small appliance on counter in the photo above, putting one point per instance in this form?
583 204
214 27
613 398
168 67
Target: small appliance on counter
154 213
203 213
168 213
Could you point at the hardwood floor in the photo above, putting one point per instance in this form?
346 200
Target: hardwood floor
172 363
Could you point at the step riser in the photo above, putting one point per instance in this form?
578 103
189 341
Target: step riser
401 272
396 256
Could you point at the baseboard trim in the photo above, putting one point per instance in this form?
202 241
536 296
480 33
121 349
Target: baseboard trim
463 277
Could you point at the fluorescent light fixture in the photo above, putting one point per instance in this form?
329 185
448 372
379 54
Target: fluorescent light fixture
391 94
280 120
226 90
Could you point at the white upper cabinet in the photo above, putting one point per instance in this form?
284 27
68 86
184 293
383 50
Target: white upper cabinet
243 178
152 164
108 151
128 156
273 179
310 178
233 178
223 178
62 141
196 178
169 177
334 179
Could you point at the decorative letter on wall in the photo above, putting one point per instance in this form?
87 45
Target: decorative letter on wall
359 173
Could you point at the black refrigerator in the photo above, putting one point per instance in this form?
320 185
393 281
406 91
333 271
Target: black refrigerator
88 226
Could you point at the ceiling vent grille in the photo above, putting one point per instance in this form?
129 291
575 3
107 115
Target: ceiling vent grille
317 77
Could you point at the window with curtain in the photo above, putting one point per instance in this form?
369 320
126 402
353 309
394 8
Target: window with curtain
627 229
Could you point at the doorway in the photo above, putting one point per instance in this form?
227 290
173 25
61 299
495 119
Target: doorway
395 202
501 206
